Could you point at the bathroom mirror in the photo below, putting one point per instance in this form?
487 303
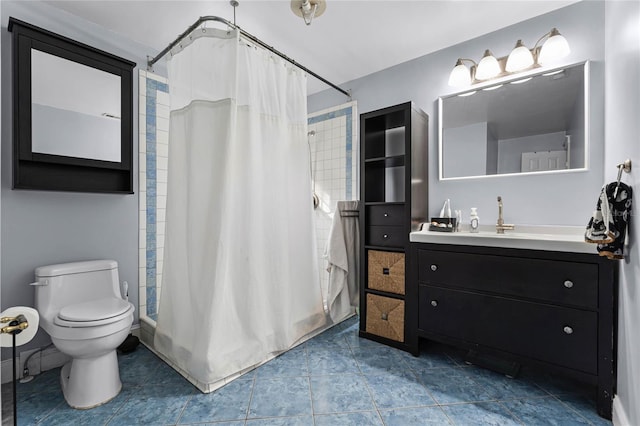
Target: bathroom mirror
72 114
531 123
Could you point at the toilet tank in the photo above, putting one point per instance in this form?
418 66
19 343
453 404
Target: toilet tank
65 284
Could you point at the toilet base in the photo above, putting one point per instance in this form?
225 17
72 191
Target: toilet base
90 382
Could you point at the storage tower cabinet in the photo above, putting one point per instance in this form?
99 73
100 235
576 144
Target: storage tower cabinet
393 189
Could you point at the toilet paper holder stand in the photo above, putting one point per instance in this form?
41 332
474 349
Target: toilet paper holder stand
16 324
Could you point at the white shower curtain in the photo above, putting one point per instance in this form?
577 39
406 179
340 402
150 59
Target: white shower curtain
240 278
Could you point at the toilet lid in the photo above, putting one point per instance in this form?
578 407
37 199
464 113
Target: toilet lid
94 309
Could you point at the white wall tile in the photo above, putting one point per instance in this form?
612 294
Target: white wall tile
162 150
162 124
142 198
162 110
162 163
142 276
162 137
161 176
162 98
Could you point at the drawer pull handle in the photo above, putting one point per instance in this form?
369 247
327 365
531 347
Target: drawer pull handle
434 303
385 271
385 236
434 268
568 284
385 316
568 329
386 215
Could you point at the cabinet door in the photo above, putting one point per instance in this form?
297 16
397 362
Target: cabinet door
562 336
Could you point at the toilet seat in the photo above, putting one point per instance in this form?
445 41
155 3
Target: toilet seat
93 313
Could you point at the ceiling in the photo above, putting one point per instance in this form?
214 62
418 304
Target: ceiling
353 38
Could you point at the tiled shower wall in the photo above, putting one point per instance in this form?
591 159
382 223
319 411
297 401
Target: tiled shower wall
154 150
334 165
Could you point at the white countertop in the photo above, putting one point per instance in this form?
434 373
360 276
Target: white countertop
551 238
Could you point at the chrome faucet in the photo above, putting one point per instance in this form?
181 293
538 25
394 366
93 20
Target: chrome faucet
500 225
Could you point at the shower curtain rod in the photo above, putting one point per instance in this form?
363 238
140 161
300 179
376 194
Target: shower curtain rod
251 37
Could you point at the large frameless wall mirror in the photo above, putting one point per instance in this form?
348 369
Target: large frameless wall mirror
72 114
531 123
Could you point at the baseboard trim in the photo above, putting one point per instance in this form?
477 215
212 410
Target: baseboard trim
619 417
135 330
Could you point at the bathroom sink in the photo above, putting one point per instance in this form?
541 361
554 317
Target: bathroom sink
552 238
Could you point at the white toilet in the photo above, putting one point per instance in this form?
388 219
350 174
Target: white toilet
81 308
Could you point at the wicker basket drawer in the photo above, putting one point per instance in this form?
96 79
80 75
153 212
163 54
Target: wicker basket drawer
386 271
385 317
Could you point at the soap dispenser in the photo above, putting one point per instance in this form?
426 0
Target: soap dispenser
474 220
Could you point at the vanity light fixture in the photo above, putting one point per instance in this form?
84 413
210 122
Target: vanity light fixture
548 74
521 58
555 47
488 67
522 80
460 75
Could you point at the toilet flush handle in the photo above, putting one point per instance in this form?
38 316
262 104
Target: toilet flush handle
44 282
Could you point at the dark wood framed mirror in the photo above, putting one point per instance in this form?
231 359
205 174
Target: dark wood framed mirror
72 114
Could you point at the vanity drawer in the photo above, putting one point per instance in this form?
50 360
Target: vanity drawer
385 271
567 283
385 317
388 236
385 215
559 335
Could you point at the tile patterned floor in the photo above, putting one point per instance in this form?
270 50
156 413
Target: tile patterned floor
333 379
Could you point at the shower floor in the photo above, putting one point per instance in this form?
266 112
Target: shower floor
333 379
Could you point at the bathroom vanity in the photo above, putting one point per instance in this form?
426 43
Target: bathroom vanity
509 298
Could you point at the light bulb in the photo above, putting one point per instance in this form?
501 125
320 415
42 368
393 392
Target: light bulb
555 47
519 59
488 67
460 75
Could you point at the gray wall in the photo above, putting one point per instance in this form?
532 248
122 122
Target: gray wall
562 199
41 227
622 103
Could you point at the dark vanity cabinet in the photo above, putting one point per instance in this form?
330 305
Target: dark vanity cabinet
393 179
556 310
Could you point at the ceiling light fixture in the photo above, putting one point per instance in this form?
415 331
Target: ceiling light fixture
308 9
521 58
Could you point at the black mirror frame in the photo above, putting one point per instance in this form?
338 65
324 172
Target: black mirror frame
55 172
